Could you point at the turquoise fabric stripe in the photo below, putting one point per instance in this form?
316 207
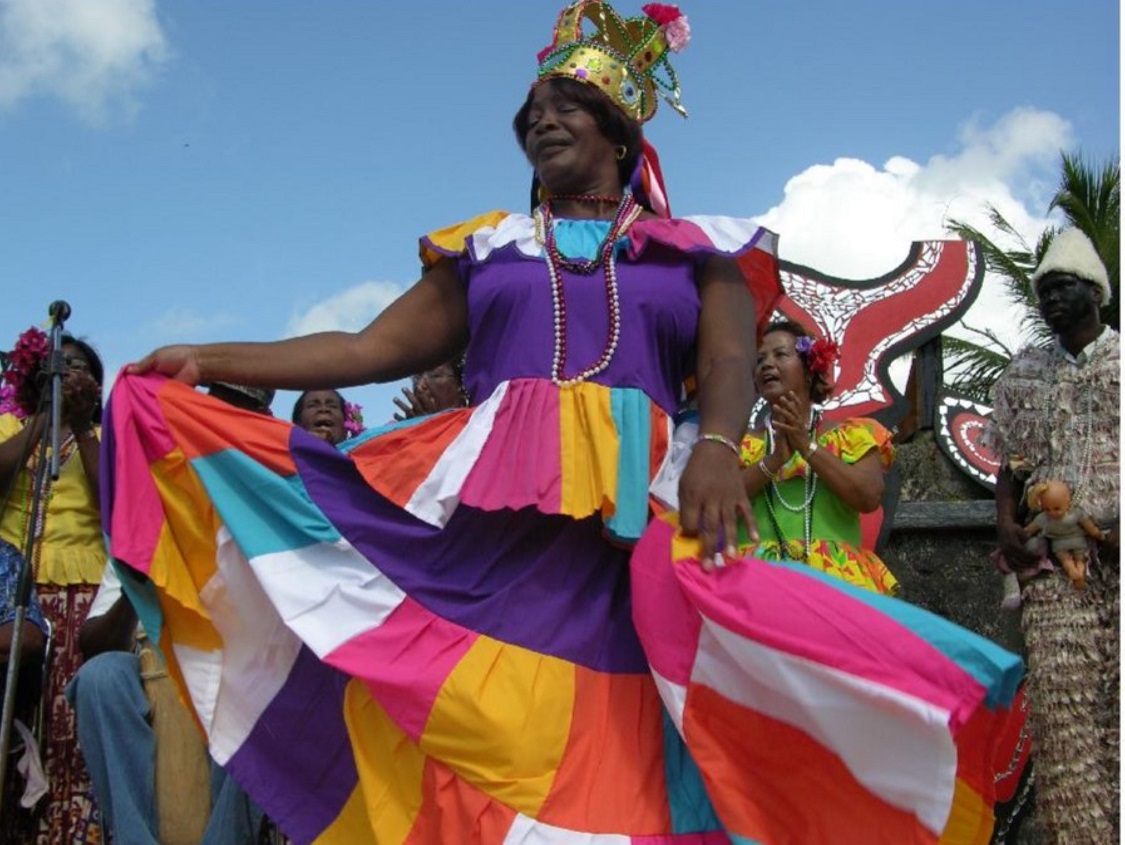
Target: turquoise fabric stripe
630 409
583 238
986 662
264 511
688 803
353 442
141 593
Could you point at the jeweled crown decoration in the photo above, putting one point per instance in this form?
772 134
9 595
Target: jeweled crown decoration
627 58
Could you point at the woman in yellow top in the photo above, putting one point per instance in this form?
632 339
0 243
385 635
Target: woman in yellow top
810 479
67 560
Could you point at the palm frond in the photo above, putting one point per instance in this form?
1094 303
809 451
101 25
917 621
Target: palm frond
972 368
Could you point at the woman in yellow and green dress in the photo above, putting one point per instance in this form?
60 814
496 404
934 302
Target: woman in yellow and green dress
813 516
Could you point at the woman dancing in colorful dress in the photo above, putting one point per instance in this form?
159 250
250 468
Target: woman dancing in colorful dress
452 595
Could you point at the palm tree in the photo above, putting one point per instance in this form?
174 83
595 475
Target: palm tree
1090 199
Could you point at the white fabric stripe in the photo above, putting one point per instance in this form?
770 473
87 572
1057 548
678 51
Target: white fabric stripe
674 697
730 234
326 581
665 484
527 831
202 671
890 741
251 676
515 228
437 496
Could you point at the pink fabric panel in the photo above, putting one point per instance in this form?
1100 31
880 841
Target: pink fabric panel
532 476
415 651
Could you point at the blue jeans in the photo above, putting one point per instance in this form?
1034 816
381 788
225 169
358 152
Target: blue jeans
119 745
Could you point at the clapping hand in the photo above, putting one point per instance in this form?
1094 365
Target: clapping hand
790 417
80 393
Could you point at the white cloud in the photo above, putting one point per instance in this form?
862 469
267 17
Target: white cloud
90 55
854 220
185 324
349 310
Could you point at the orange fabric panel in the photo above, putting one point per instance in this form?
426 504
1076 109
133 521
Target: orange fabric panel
611 777
784 767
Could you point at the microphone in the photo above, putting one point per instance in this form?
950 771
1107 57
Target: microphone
59 311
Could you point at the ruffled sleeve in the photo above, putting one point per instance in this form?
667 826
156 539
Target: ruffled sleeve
854 438
455 240
753 449
752 247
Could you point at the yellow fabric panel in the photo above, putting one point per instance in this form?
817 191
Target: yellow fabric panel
452 238
73 548
970 819
589 451
184 558
683 547
520 704
390 769
352 826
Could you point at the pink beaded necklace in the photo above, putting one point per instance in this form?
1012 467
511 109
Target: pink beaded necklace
627 212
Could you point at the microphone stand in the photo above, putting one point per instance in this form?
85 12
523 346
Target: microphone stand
56 368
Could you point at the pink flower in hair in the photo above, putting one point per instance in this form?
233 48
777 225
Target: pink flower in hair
8 402
353 419
30 352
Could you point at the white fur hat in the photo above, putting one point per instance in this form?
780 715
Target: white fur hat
1070 251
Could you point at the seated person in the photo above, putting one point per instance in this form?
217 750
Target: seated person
117 737
32 651
34 639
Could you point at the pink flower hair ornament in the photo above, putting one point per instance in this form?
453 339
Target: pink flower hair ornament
353 419
24 362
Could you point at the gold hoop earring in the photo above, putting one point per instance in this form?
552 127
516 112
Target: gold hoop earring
620 152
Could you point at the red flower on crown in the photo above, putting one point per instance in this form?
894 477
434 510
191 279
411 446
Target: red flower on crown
662 13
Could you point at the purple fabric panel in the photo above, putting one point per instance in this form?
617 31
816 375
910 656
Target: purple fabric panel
297 763
548 583
512 333
108 460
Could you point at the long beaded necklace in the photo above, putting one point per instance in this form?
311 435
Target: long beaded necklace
805 507
67 450
628 210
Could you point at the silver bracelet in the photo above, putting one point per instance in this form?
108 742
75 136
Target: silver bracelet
724 441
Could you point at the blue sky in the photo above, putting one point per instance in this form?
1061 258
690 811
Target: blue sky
252 169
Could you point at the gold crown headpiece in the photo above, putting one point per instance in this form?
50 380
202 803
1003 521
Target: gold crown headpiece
627 58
